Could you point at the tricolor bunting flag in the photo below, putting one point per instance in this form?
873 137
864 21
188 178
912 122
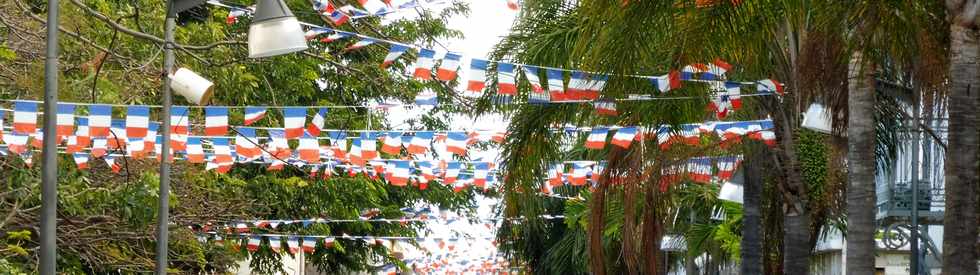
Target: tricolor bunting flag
580 173
713 71
135 147
253 114
179 127
577 86
597 138
293 120
420 142
448 67
246 143
394 52
335 36
556 85
506 80
452 172
278 145
309 149
596 173
25 117
79 141
769 86
65 120
481 171
427 169
605 107
338 144
99 147
111 162
233 16
364 42
392 143
99 119
665 83
354 154
555 174
322 6
81 160
318 123
117 135
223 158
593 86
17 142
215 121
150 140
373 6
401 173
477 77
338 17
531 74
293 243
137 121
369 145
314 32
456 143
727 98
699 169
423 65
426 98
624 137
309 244
253 243
727 166
195 151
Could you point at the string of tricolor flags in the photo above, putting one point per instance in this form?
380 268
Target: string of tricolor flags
581 86
245 226
308 243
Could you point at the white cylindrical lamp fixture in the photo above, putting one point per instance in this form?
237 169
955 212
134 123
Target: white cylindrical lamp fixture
274 31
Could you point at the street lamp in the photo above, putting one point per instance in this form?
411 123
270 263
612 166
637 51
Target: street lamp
274 31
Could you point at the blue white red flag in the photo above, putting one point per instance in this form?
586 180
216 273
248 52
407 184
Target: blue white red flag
597 138
423 66
361 44
699 169
99 119
452 172
309 149
667 82
478 76
179 127
594 85
769 86
556 85
727 166
215 121
395 51
195 151
456 143
506 80
253 114
401 173
448 67
137 121
555 175
65 120
426 98
369 145
624 137
317 124
293 120
605 107
481 171
531 73
81 160
420 142
25 117
246 143
392 143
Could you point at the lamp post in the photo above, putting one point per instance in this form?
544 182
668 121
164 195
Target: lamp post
163 216
49 173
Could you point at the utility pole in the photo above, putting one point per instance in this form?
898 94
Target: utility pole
49 174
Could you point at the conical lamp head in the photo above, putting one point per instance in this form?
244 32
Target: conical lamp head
274 31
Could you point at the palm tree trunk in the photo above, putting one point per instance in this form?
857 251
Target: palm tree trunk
960 221
861 168
652 232
597 211
751 262
629 228
796 234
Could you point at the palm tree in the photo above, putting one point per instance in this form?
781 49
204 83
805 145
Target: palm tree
960 221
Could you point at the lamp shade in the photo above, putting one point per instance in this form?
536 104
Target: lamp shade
817 119
731 192
193 87
274 31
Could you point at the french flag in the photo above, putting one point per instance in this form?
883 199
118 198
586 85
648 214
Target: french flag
605 107
456 143
338 17
137 121
17 142
769 86
253 114
401 173
478 75
136 148
624 137
25 117
215 121
594 86
195 152
580 174
392 143
423 66
314 32
555 175
427 170
506 81
293 243
245 144
716 70
670 81
531 73
699 169
369 145
278 144
448 67
111 162
99 147
294 118
222 154
65 120
253 243
335 36
179 127
727 166
373 6
420 142
426 98
81 138
556 85
394 52
338 143
309 149
481 172
319 120
99 119
233 16
577 86
452 172
81 160
150 140
597 139
117 135
360 44
309 244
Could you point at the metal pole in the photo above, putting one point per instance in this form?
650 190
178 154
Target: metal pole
163 216
914 242
49 176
